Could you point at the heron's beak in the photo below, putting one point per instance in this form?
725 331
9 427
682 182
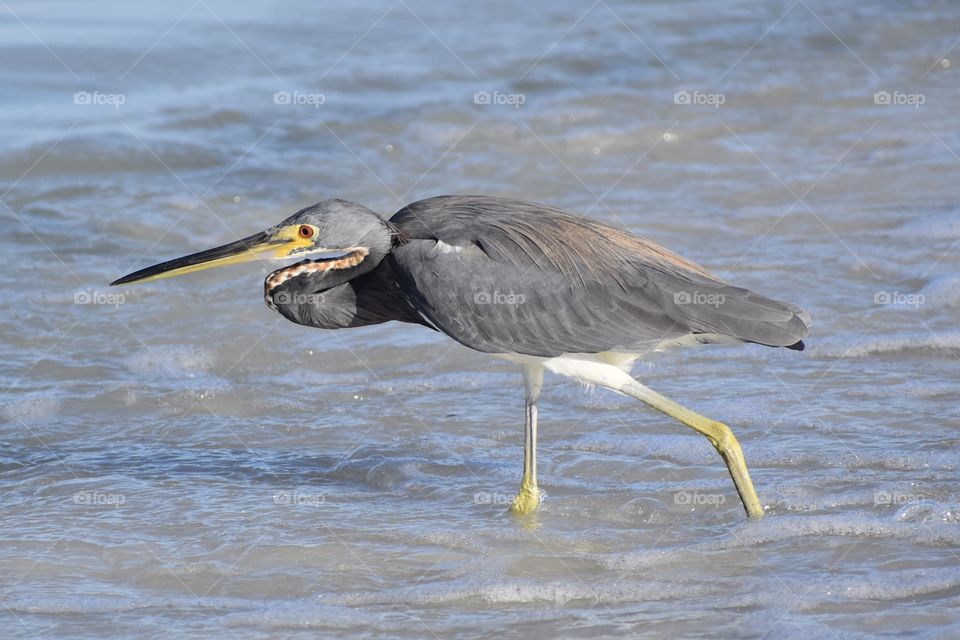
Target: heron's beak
280 243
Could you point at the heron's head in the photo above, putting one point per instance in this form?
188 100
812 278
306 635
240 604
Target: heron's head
326 230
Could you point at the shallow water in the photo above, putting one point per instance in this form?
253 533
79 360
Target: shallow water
176 460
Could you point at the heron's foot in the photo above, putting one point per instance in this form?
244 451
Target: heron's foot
527 500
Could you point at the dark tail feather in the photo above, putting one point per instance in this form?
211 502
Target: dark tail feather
741 314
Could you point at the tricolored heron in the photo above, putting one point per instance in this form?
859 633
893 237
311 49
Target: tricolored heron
526 282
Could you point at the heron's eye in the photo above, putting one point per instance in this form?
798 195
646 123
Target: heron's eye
306 231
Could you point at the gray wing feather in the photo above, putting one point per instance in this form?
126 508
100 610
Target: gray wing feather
506 276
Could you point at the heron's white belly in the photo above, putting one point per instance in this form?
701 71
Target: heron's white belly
606 369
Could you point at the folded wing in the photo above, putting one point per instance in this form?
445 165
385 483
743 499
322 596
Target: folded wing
507 276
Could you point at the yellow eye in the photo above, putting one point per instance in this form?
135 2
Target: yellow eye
305 231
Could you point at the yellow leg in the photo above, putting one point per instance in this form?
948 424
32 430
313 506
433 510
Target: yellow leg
528 499
719 435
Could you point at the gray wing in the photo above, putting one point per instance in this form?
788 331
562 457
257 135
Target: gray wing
506 276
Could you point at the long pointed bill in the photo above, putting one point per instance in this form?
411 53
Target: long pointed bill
233 253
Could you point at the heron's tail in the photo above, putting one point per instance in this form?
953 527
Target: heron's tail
739 313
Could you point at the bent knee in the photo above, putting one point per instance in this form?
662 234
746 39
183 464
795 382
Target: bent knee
725 441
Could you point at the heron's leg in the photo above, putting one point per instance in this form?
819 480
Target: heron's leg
528 498
719 435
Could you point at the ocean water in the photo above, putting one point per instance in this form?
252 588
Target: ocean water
178 461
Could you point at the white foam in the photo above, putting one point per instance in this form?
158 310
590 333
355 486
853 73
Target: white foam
782 529
169 360
927 511
944 342
897 585
920 390
880 586
554 593
30 409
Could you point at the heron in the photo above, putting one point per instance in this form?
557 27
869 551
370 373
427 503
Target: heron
536 285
